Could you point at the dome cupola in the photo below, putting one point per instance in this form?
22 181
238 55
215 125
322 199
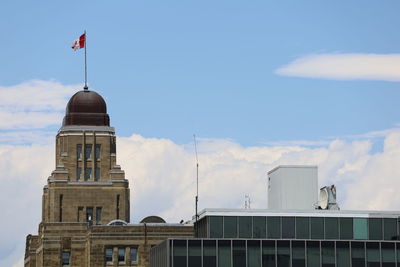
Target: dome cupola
86 108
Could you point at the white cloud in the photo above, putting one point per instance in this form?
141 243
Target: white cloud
385 67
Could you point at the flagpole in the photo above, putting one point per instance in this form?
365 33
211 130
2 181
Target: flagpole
86 87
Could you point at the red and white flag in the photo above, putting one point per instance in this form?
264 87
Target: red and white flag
79 43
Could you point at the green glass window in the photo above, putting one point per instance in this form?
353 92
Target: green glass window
331 228
346 228
268 253
313 254
398 253
317 228
283 253
388 254
259 227
216 226
360 228
209 253
273 227
245 225
298 254
254 253
288 227
180 253
357 254
343 254
230 227
224 253
194 253
302 227
328 253
375 228
373 254
390 229
239 253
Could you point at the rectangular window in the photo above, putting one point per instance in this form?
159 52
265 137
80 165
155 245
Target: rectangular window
79 151
98 215
313 254
88 173
117 207
328 254
89 214
317 228
360 228
343 254
239 253
108 255
388 254
97 174
133 254
78 173
194 253
346 228
273 227
224 253
283 253
268 253
298 254
97 152
180 253
121 254
375 229
88 151
331 228
373 254
216 226
245 225
65 258
209 253
61 207
357 254
253 253
259 227
302 227
230 227
390 229
288 227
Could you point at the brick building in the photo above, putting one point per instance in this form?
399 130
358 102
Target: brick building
85 204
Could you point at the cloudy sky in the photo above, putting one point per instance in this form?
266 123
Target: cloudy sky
260 83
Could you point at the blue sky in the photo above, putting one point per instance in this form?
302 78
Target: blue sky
174 68
260 83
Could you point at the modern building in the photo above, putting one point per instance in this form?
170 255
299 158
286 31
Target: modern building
86 202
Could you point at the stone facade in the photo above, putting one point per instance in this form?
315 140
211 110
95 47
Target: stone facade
86 202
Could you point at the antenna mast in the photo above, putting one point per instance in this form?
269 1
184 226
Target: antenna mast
197 181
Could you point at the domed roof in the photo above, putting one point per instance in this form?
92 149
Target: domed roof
86 108
152 219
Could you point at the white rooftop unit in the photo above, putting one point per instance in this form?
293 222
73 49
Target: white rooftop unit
293 187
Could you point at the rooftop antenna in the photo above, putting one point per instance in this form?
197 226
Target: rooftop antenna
247 202
197 180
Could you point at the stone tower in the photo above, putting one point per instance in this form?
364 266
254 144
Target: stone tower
87 184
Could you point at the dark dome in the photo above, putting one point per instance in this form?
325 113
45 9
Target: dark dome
152 219
86 108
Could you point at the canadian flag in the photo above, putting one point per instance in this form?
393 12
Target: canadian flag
79 43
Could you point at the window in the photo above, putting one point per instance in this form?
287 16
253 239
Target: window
375 228
224 253
357 254
331 228
78 173
346 228
288 227
238 253
302 227
360 226
298 254
194 253
79 152
97 152
283 253
230 227
89 214
313 254
343 254
180 253
388 254
373 254
65 258
61 206
216 226
108 255
97 174
209 253
273 227
328 253
268 253
133 254
121 254
317 228
98 215
88 151
245 227
390 231
253 253
259 227
88 173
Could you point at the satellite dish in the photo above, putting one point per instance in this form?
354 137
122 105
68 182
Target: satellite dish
323 198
